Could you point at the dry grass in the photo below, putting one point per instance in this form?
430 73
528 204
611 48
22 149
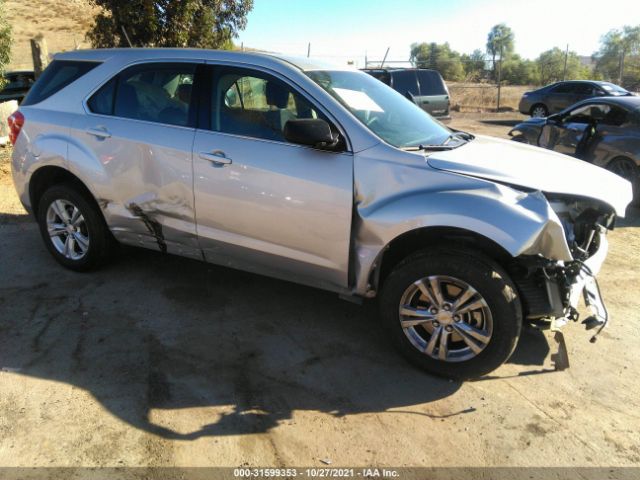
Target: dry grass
483 97
63 23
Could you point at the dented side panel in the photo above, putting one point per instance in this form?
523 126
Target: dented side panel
142 179
397 192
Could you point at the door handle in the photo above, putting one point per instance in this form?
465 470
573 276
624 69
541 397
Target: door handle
217 158
99 132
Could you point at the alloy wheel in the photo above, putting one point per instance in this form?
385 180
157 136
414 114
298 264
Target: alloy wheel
539 112
445 318
67 229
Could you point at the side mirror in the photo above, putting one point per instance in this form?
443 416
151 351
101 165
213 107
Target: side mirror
313 132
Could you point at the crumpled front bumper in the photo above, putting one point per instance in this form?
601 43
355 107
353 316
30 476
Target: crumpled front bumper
585 284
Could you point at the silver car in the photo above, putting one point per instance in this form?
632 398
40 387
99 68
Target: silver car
321 176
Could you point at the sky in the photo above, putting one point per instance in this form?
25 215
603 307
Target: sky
343 30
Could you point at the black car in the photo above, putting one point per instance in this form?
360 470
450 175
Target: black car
558 96
17 84
424 87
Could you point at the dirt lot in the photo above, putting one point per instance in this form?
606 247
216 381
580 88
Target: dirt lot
158 360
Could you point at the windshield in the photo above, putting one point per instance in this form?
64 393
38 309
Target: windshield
613 89
382 110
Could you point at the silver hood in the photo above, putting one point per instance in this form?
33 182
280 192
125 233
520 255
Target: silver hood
518 164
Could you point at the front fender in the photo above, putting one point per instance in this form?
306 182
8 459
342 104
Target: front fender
521 223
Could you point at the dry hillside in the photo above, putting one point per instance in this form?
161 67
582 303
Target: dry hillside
62 22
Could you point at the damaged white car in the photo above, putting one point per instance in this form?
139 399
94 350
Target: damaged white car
320 176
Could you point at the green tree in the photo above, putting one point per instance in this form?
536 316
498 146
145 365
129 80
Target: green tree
5 42
551 66
500 44
169 23
439 57
474 65
519 71
618 58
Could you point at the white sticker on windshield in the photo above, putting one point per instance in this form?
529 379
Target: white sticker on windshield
358 100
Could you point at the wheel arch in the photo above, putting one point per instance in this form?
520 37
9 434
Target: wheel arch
48 176
418 239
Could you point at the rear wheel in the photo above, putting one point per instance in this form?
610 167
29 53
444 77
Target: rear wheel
73 228
452 312
539 110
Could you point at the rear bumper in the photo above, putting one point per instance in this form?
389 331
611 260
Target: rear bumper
525 106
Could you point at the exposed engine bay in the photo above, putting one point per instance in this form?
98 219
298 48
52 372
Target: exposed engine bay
550 289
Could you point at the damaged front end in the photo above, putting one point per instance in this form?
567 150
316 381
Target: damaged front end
551 290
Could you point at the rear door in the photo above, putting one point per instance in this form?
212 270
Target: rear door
434 97
263 204
140 130
561 96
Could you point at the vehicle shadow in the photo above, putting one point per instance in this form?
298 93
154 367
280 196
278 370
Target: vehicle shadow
155 333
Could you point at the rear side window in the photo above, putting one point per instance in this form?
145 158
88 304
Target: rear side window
431 83
56 76
154 92
562 88
405 81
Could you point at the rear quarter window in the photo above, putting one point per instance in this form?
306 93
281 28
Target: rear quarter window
56 76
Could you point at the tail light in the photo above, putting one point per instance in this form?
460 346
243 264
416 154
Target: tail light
15 121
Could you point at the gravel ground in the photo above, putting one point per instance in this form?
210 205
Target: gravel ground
158 360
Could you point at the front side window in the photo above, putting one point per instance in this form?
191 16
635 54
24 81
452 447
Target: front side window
154 92
254 104
381 109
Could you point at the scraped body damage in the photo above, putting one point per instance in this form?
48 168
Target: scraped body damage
402 194
144 187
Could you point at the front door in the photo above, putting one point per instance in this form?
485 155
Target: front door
263 204
140 130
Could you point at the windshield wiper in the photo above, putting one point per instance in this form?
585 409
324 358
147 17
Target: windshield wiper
430 148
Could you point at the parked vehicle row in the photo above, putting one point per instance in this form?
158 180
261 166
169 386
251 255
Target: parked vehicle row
325 177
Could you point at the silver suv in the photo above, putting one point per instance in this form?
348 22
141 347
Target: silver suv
320 176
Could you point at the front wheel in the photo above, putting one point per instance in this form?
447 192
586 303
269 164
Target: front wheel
452 312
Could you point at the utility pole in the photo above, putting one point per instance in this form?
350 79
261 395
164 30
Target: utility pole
39 54
499 79
126 36
385 57
566 55
621 67
309 50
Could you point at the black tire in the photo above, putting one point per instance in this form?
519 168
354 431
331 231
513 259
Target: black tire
543 108
478 271
101 241
629 170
